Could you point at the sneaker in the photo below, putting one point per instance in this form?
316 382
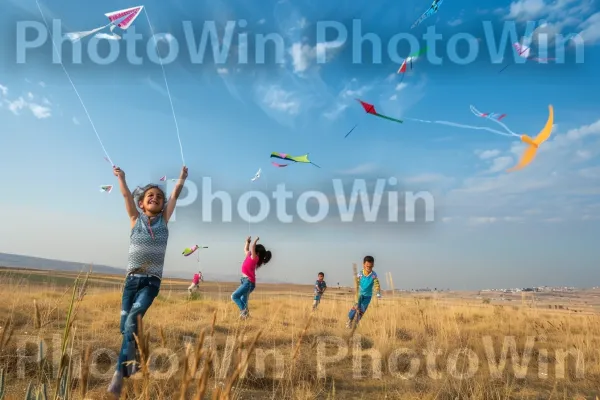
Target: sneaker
116 385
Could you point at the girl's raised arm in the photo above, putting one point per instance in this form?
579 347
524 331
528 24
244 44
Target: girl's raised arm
253 248
129 201
170 208
247 245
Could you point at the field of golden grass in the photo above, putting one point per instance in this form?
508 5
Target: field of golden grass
54 329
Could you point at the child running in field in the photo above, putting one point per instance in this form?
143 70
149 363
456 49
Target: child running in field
147 248
196 282
256 257
320 287
367 280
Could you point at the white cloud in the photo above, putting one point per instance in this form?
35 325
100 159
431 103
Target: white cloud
262 21
347 95
590 173
222 71
583 155
554 219
37 110
482 220
425 178
278 99
394 97
30 96
360 169
500 164
75 121
401 86
335 112
524 10
42 84
46 101
4 90
591 29
303 55
455 22
487 154
40 112
557 15
16 106
555 184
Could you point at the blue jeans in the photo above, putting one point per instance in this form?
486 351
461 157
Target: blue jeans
138 294
361 307
241 294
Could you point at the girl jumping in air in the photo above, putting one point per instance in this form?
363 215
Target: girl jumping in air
256 257
147 248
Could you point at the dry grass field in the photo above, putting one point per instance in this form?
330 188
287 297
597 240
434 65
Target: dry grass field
429 346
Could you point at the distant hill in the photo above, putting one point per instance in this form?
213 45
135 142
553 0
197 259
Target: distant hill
21 261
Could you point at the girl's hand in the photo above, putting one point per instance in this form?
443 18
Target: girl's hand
256 240
119 173
184 173
249 239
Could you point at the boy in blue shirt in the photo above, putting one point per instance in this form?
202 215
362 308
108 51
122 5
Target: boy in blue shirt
367 281
320 287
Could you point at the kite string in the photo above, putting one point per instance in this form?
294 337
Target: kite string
461 126
166 84
73 85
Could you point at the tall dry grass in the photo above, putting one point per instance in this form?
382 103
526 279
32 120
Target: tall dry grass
199 349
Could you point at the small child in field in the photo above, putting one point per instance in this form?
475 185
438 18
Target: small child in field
147 248
256 256
367 280
320 287
196 282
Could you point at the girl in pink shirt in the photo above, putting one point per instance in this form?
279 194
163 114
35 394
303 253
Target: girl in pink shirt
256 256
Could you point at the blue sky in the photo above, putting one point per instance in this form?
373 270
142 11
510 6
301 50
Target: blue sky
491 229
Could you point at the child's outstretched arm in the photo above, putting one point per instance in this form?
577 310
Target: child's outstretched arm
377 287
170 208
247 245
129 201
253 248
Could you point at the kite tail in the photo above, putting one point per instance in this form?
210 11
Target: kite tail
454 124
315 164
350 131
76 36
479 114
389 118
507 65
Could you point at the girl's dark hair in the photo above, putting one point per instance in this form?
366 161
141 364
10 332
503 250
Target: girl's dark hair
140 192
264 255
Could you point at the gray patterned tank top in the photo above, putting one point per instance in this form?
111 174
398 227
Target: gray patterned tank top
147 246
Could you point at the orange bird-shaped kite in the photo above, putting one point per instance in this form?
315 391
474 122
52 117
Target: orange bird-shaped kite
534 144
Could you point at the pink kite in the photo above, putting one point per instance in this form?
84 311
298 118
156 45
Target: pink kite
122 19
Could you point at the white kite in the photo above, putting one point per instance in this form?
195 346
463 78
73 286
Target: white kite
257 175
122 19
